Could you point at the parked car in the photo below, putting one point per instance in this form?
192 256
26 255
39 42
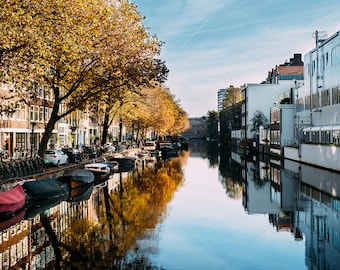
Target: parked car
55 157
73 154
89 152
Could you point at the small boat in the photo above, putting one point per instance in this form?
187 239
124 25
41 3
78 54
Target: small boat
76 178
45 189
167 149
114 165
12 200
101 171
126 163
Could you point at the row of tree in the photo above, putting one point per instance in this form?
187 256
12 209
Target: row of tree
86 53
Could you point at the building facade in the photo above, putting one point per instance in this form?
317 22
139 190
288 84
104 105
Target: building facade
197 129
317 121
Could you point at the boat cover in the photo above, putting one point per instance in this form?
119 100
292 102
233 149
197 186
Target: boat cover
12 200
80 175
45 189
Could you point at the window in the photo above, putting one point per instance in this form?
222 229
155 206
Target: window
335 56
336 136
325 98
335 95
41 114
20 140
325 136
31 113
36 113
23 113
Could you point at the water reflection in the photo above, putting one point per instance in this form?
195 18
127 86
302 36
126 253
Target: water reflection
96 228
299 199
132 220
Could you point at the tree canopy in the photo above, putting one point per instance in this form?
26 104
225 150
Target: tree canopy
232 97
80 52
259 119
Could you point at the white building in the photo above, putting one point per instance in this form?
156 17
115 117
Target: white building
220 97
260 97
318 106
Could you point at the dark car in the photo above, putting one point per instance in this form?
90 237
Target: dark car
89 152
73 154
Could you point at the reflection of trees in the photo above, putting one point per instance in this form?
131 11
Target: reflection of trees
231 173
125 219
212 154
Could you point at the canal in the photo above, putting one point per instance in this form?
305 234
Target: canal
200 210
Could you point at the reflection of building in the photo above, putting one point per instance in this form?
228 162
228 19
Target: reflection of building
318 217
301 200
29 242
14 245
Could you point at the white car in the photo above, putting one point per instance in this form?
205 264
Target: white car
55 157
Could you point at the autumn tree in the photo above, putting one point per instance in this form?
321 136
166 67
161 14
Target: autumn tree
76 49
163 112
230 115
232 97
128 102
16 18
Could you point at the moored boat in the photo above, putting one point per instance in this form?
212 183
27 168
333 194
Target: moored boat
76 178
12 200
126 163
167 149
114 165
43 189
101 171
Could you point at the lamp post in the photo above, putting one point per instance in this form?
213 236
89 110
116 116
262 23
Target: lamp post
32 137
73 129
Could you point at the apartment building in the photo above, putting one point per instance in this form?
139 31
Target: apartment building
22 121
318 105
272 97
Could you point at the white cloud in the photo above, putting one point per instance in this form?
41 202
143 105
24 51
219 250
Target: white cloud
211 44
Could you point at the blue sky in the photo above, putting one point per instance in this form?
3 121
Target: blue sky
211 44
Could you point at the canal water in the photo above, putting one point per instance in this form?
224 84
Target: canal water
207 228
205 209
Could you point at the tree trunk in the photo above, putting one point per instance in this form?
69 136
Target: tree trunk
47 133
105 128
120 130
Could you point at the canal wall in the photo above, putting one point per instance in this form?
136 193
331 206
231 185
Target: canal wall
323 156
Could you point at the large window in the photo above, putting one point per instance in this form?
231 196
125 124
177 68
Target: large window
325 98
325 136
20 140
335 95
335 55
